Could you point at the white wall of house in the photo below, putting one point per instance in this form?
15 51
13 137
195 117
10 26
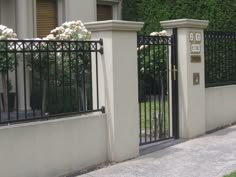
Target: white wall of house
220 106
84 10
53 148
21 15
7 13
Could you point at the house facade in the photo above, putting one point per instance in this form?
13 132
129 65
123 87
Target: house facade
35 18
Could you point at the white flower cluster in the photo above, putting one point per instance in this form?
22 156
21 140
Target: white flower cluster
74 30
6 33
161 33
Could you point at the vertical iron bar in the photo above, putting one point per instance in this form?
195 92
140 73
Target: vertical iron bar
175 102
63 75
224 56
90 76
216 64
32 75
150 88
40 78
214 57
24 70
155 88
164 85
145 106
168 83
70 65
96 51
55 77
7 72
48 72
77 75
16 82
159 88
84 83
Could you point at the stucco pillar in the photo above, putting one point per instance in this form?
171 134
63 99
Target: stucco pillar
118 76
24 30
191 80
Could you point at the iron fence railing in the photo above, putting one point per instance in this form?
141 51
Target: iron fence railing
220 58
42 79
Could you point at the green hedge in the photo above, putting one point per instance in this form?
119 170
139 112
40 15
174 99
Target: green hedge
221 14
56 103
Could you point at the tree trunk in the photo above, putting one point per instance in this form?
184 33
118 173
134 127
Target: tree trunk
44 93
5 91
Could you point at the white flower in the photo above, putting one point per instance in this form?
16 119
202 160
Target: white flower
6 33
49 37
2 37
154 34
142 47
73 30
163 33
2 27
58 30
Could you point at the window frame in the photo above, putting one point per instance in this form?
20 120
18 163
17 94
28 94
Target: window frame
35 15
116 7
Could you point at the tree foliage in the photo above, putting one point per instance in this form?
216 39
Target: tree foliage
220 13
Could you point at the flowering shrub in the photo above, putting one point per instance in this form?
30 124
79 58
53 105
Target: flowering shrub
7 61
74 30
57 62
6 33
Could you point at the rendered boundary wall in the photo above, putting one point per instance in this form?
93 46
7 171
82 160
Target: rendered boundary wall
220 106
53 148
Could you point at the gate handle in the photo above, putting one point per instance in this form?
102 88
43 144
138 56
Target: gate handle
174 72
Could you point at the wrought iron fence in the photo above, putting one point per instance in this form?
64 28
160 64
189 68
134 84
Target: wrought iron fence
220 58
44 79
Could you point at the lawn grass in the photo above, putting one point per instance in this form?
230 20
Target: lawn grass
231 175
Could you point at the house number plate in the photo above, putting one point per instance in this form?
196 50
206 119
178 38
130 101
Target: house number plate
195 48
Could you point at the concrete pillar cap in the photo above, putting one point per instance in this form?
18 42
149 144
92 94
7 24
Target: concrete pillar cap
185 23
114 25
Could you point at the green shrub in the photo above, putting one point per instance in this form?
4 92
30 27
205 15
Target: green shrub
63 100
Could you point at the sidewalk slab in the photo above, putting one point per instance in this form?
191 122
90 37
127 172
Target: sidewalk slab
212 155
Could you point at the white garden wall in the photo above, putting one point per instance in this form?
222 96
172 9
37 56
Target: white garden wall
220 106
53 148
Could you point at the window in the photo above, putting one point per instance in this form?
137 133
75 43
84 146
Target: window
104 12
46 16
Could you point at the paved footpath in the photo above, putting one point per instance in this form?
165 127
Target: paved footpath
213 155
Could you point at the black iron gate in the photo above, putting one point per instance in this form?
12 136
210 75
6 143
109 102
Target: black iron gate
158 87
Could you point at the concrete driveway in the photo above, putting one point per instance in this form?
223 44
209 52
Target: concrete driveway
212 155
